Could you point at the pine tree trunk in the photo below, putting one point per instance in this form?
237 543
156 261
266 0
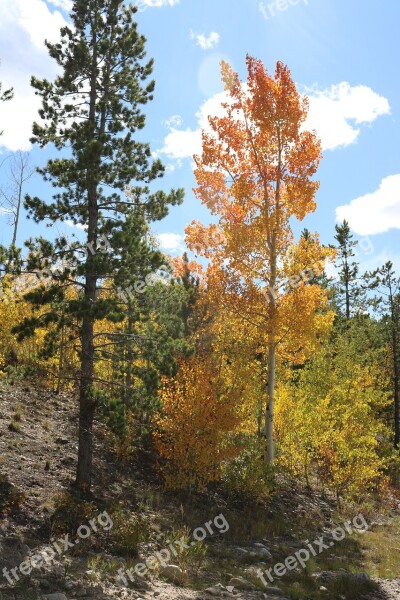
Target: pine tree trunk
87 402
396 376
86 411
129 360
396 394
347 286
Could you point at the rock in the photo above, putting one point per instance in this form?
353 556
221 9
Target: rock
242 554
141 584
323 589
69 584
57 596
361 577
13 552
264 553
329 576
214 591
240 583
172 573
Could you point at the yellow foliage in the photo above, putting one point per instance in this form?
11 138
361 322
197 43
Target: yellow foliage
328 425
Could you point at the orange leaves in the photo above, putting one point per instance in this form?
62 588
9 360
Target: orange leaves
257 161
191 433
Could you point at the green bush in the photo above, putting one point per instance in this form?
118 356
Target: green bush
246 475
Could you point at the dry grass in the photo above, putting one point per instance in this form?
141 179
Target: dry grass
381 549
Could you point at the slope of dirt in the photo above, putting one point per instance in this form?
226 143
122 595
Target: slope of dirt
38 432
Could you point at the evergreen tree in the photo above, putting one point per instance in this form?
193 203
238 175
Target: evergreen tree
387 285
348 291
140 260
93 110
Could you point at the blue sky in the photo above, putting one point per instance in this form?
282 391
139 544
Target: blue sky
343 54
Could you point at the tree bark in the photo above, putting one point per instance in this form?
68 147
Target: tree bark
395 353
271 362
129 359
269 415
396 391
87 403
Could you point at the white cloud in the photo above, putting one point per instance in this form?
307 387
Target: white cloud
63 4
181 143
173 121
75 226
24 25
184 143
34 18
376 212
143 4
205 41
336 112
174 242
333 114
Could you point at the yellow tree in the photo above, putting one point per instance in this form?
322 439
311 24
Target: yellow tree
256 174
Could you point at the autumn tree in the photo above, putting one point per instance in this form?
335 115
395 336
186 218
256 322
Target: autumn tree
208 405
329 417
256 175
93 109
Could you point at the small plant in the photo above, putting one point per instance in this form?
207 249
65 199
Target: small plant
129 530
14 426
70 512
18 414
25 591
245 476
101 568
191 558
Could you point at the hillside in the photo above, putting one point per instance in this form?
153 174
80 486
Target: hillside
38 455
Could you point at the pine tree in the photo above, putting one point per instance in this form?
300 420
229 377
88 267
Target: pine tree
348 290
140 260
385 282
93 110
